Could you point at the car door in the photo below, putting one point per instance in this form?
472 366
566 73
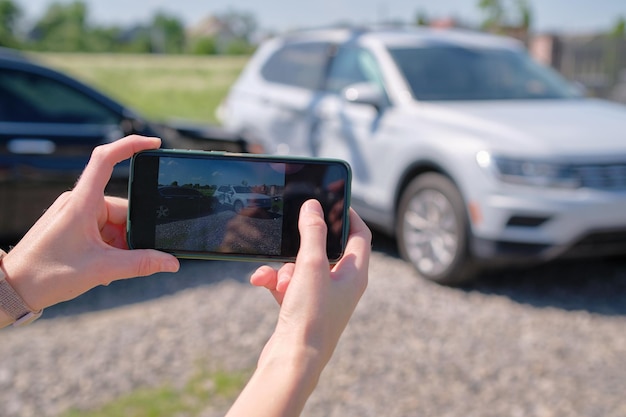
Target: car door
48 129
282 106
359 133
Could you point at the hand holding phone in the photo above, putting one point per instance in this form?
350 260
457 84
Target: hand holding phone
207 205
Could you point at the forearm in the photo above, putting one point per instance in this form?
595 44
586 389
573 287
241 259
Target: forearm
280 386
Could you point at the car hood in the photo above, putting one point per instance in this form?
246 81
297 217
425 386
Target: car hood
567 128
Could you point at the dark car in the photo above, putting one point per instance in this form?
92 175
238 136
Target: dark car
50 123
182 202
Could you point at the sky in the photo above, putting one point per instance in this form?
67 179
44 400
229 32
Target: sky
198 171
564 16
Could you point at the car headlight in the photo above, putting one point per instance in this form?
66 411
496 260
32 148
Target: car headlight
529 172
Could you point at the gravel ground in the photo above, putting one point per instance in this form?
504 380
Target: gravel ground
549 341
257 231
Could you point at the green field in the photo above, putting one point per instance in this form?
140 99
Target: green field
160 87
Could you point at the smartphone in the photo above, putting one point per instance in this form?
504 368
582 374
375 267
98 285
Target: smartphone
216 205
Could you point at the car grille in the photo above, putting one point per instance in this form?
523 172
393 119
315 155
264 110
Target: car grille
606 176
598 243
259 202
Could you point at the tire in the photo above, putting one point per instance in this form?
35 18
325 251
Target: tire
238 206
432 230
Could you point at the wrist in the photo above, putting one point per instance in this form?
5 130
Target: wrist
281 384
13 308
300 362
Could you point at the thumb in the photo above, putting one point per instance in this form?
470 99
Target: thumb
139 263
313 231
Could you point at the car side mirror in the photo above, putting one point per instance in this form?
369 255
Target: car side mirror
365 93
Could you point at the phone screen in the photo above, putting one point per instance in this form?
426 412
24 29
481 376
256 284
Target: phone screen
205 205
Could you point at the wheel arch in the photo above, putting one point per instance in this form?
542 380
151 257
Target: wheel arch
413 171
464 265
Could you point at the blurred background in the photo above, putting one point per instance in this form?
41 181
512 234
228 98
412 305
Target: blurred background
583 40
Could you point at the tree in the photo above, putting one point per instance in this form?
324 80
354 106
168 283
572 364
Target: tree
619 28
104 39
10 14
63 28
516 13
205 45
167 34
494 13
421 19
613 55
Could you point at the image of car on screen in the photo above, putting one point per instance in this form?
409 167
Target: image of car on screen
238 197
182 202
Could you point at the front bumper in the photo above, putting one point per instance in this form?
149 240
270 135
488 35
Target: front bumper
529 224
594 244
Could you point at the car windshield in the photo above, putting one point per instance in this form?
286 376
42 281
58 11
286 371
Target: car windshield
456 73
242 189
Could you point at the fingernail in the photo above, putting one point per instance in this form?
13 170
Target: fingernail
171 265
281 285
312 206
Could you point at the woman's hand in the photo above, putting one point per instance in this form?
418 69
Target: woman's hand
80 241
316 303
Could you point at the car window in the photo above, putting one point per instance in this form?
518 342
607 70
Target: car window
352 65
32 98
298 64
242 189
456 73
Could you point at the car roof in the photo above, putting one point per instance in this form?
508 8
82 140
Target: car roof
8 54
407 36
16 60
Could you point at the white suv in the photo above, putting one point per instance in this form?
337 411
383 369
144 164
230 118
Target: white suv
461 146
241 196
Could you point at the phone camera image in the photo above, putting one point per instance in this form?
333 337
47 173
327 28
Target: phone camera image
231 207
211 206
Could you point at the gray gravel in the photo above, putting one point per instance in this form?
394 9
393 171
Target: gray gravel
550 341
259 232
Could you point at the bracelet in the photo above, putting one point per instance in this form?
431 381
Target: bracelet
14 305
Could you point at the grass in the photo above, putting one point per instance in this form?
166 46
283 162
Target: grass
166 401
160 87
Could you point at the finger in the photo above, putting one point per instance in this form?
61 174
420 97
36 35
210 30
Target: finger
113 226
117 210
284 277
278 296
264 276
359 246
104 157
360 236
312 232
114 235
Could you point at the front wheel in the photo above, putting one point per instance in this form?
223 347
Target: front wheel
432 230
